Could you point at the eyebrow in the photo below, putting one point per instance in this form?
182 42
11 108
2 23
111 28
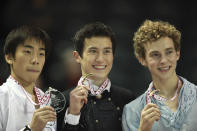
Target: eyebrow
97 48
31 47
93 48
152 52
108 48
171 48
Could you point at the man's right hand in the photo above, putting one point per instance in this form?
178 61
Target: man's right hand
149 114
40 118
78 97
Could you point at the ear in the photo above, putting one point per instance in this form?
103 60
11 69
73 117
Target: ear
9 59
142 61
178 55
77 56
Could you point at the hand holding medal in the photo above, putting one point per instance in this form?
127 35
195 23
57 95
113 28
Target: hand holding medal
57 99
94 92
78 96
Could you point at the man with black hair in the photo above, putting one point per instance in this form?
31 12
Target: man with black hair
25 50
95 104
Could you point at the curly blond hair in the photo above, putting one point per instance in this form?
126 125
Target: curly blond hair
151 31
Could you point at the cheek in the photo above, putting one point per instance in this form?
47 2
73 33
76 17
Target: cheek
152 65
21 60
110 60
174 62
43 62
20 63
86 63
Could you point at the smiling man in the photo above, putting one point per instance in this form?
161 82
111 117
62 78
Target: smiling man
25 52
95 104
169 97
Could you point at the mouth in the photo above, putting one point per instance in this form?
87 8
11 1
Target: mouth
99 67
164 69
33 70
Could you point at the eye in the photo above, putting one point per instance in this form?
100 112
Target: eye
169 52
27 51
42 54
107 51
155 55
92 51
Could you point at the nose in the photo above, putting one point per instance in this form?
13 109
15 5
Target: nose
100 57
34 59
163 59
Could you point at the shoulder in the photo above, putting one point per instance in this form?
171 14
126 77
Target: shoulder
4 90
132 111
187 83
122 92
121 96
4 95
189 89
137 104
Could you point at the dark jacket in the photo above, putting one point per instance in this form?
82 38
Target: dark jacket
100 114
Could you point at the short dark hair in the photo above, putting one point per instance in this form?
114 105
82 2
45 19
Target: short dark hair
19 35
92 30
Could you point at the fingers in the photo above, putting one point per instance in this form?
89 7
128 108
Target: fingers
83 99
45 108
46 113
78 97
150 113
152 108
149 105
41 117
149 108
83 88
80 91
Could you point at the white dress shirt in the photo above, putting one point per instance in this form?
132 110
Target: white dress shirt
16 110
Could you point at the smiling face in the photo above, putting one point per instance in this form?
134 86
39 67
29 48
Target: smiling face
97 57
28 61
161 58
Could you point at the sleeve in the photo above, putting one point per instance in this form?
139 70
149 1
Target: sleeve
4 108
72 123
130 119
71 119
1 124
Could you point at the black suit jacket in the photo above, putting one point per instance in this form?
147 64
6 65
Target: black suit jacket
102 114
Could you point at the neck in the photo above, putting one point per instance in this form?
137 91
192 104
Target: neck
98 82
168 87
30 89
26 85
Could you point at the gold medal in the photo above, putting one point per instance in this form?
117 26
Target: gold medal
99 96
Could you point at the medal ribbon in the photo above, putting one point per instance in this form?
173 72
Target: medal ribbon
86 82
151 93
41 100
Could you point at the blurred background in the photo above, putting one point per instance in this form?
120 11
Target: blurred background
62 18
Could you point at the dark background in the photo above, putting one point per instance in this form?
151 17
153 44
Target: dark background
62 18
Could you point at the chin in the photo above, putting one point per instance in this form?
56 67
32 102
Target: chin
100 77
32 79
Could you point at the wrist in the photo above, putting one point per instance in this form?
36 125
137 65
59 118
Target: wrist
73 112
